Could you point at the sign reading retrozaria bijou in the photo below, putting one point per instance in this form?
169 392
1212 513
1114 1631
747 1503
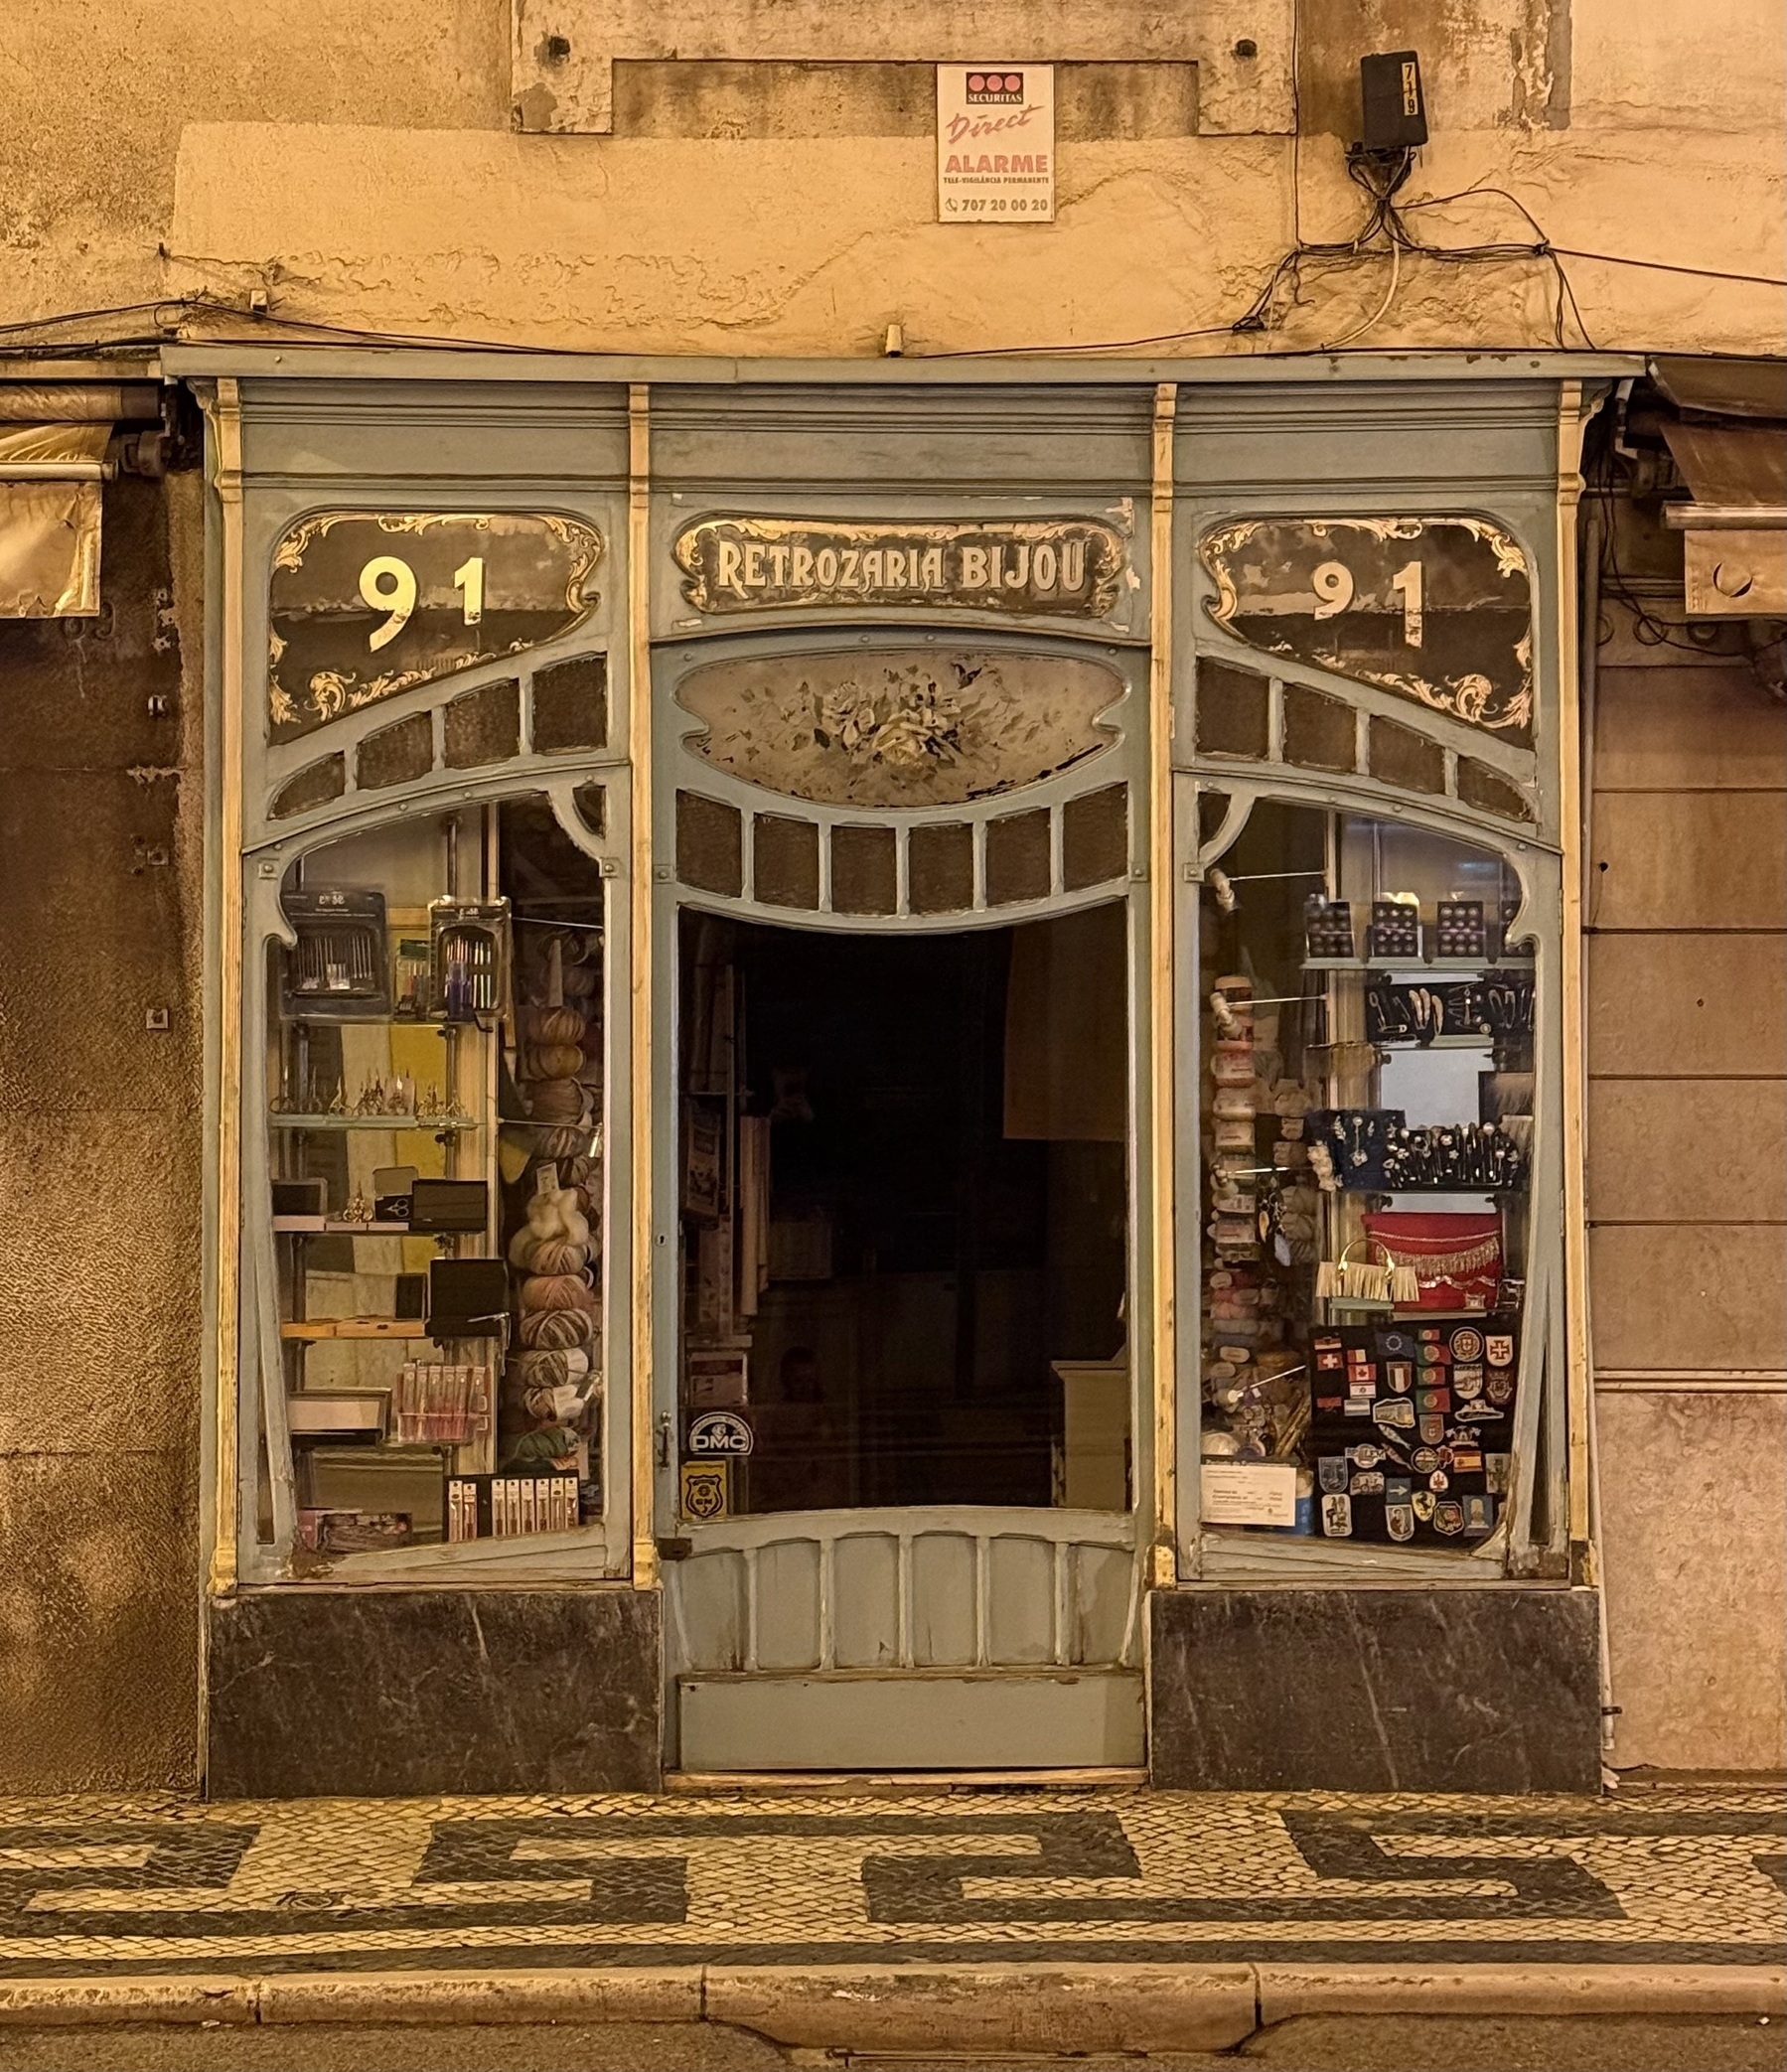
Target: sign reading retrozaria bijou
1056 567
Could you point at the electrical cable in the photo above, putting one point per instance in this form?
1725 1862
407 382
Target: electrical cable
1381 232
1759 280
1377 316
1647 629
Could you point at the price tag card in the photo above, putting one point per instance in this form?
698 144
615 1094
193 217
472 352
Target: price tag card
1249 1492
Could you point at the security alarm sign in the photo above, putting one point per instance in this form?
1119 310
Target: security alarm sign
995 143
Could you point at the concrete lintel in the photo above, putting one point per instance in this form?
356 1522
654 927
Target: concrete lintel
419 361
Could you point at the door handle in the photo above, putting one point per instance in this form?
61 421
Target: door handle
667 1429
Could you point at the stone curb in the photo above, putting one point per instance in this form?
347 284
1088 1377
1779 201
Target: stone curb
1033 2008
1289 1989
1049 2010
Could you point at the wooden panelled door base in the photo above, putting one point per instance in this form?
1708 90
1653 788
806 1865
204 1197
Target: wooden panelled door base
998 1720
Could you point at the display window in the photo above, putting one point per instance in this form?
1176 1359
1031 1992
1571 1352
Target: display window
431 1238
1366 1115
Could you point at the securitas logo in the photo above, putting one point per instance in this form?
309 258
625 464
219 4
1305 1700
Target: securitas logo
995 89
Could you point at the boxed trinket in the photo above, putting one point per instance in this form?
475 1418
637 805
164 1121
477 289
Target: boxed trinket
1328 927
1459 930
1356 1141
468 958
337 968
351 1532
1395 929
406 1481
511 1506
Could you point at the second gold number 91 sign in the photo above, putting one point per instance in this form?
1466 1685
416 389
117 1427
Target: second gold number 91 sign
1438 609
363 605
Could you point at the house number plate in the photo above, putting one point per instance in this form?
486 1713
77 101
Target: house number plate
1438 609
366 604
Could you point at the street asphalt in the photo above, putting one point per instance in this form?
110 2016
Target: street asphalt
1314 2045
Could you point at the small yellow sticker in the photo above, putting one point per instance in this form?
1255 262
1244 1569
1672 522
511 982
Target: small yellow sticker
706 1490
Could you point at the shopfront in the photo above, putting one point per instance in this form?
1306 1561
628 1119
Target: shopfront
895 1060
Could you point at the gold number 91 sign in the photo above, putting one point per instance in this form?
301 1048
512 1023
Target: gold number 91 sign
1438 609
363 605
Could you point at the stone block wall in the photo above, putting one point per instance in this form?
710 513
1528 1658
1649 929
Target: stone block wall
101 1156
1687 912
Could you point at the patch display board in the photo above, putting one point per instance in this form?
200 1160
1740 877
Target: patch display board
1411 1428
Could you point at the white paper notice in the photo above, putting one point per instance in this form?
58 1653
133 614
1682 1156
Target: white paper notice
995 143
1249 1492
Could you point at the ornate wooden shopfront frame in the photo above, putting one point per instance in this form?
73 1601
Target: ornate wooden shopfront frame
1116 523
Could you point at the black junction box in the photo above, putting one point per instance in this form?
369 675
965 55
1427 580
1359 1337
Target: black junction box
1393 108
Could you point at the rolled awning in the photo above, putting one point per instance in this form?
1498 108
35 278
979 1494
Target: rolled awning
1732 468
49 517
1728 440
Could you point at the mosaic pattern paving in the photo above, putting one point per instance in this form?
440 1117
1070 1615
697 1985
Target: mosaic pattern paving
112 1886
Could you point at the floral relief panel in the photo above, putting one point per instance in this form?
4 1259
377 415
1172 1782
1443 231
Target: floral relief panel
901 727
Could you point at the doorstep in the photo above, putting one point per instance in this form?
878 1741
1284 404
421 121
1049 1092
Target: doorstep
898 1784
935 1719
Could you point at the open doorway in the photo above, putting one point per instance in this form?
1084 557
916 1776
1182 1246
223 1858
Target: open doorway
904 1192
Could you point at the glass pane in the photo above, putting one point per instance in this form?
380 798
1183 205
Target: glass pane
904 1217
434 1067
1366 1120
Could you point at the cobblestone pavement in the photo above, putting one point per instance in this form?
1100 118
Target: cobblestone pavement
144 1885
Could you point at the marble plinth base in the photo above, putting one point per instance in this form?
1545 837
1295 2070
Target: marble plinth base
404 1692
1372 1690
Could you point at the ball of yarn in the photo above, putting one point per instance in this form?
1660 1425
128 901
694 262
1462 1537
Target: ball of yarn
557 1292
559 1100
553 1061
547 1330
540 1370
562 1142
558 1255
554 1025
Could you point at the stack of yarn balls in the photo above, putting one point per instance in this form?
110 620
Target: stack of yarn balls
550 1377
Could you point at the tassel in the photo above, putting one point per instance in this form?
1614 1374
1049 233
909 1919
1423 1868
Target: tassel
1327 1282
1361 1282
1405 1288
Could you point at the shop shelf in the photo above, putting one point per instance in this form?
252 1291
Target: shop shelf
1440 966
282 1121
309 1227
1472 1187
1463 1040
317 1328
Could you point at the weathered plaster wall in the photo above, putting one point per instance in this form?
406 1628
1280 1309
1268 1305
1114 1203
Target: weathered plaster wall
100 1159
360 168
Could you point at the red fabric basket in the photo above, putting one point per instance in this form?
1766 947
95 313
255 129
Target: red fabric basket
1457 1257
